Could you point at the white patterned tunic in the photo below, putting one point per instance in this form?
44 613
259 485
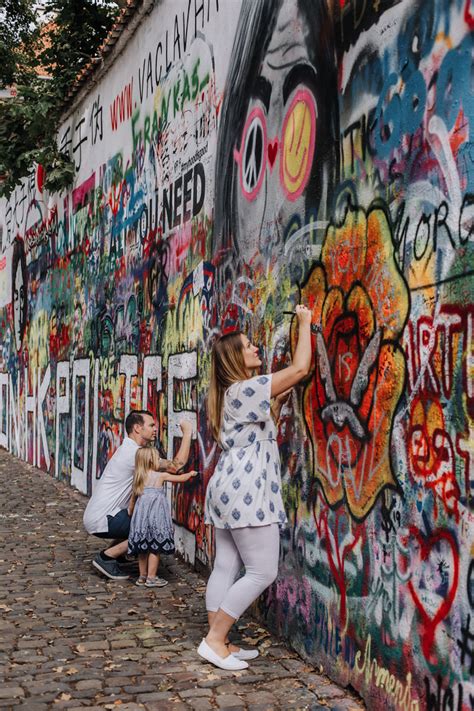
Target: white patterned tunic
245 489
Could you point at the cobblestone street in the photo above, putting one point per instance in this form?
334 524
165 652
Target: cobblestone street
70 638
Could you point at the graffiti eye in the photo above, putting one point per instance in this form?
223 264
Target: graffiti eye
252 154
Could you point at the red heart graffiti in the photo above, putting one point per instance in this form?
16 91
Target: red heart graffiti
468 16
429 624
272 151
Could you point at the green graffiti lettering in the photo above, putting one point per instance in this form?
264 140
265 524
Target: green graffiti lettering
175 98
186 95
195 79
204 81
136 136
146 130
154 126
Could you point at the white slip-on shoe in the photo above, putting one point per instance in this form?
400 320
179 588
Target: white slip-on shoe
229 663
246 654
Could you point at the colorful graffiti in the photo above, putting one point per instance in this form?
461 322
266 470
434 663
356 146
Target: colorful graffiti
360 305
235 159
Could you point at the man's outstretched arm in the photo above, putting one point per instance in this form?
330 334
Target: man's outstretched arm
173 466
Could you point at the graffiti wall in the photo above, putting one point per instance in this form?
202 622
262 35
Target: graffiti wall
236 159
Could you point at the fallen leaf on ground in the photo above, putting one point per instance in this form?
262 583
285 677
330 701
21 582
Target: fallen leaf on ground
164 686
256 640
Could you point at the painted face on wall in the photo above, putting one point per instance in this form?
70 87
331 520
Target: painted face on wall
19 296
274 154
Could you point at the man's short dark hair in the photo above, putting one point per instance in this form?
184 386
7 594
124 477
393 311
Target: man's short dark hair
135 417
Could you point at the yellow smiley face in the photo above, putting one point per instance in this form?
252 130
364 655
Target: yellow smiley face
299 137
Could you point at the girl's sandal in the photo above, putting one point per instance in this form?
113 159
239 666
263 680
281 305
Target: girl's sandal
156 582
141 580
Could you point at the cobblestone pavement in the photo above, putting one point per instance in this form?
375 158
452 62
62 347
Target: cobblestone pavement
69 638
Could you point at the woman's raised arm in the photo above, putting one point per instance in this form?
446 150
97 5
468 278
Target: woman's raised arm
300 367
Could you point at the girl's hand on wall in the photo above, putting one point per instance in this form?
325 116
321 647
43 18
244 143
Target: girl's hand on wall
190 475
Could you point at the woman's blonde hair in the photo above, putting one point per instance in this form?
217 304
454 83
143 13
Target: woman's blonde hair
147 460
227 367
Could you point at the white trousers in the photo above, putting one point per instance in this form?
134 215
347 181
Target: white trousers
255 547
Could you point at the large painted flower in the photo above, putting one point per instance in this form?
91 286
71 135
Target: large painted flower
359 302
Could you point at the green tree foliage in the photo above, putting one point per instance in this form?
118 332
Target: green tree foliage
42 53
17 25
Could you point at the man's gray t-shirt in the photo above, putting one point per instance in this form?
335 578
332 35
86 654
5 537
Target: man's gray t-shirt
113 490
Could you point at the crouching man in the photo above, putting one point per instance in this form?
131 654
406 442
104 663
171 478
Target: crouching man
106 514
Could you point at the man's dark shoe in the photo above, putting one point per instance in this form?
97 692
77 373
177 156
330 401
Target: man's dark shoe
109 568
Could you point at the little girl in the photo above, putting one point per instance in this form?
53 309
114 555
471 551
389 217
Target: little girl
151 527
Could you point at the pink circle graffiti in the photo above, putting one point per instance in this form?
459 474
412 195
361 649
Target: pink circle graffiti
251 175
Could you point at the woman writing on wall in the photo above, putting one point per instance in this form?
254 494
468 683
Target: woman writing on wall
243 498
